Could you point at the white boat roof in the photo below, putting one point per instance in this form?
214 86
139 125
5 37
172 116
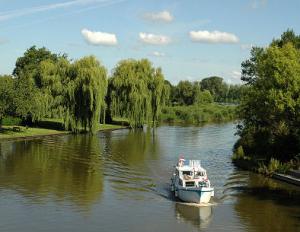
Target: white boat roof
191 165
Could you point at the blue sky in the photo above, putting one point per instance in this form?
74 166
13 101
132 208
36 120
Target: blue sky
188 39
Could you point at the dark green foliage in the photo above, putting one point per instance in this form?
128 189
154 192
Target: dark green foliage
215 86
50 124
39 71
288 36
11 121
249 67
186 93
28 99
28 63
206 91
6 96
270 109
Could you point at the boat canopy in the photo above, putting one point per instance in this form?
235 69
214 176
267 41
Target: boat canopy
190 165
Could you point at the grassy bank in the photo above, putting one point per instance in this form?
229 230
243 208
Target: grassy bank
43 128
8 132
199 113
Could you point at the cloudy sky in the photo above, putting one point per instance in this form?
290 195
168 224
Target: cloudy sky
189 39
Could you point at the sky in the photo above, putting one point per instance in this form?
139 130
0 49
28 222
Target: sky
188 39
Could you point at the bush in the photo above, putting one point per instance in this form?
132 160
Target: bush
238 154
198 113
274 165
11 121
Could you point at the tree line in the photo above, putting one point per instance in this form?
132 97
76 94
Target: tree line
208 90
270 109
48 85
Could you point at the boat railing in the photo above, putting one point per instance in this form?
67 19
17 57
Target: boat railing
195 163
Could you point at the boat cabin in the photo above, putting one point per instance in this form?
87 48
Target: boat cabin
191 174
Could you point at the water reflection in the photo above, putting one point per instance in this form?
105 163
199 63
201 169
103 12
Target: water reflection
66 168
199 216
120 180
265 204
128 156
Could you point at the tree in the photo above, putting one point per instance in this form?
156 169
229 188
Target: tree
6 96
204 97
85 88
186 93
249 66
28 100
270 110
159 93
137 92
27 64
215 86
287 37
50 75
37 71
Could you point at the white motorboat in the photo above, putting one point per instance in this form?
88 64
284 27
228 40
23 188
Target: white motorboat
190 183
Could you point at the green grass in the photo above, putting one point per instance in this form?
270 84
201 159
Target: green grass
27 132
8 132
103 127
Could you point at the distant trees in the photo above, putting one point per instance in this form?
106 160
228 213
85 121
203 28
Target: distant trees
186 92
270 109
205 91
215 86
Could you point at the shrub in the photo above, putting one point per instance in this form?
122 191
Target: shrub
11 121
238 154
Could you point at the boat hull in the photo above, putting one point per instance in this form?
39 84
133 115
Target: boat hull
202 195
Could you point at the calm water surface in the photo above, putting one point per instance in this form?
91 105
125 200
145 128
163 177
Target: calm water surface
119 181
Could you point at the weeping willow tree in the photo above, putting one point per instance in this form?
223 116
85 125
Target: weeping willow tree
159 94
50 77
136 92
85 90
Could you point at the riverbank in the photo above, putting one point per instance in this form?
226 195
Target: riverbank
21 132
289 176
199 113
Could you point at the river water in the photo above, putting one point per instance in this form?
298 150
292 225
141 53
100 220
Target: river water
119 181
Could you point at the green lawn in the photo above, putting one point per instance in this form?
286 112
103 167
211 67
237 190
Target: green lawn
8 132
110 127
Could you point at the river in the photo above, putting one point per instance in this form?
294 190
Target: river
119 181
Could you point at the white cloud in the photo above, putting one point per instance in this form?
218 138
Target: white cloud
163 16
99 38
158 54
154 39
236 75
213 37
246 46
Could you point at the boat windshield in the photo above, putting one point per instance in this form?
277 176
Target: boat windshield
189 173
200 173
